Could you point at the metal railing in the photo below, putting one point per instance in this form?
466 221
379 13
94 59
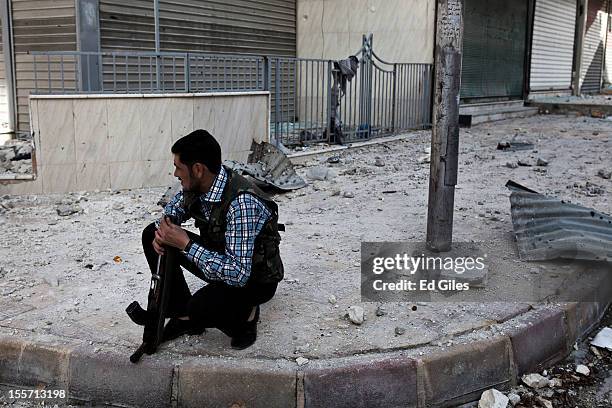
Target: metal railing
307 104
136 72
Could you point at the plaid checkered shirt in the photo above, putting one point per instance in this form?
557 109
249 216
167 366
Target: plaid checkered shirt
246 217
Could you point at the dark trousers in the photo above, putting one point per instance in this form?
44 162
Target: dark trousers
215 305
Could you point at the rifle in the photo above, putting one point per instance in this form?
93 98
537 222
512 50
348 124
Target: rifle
154 317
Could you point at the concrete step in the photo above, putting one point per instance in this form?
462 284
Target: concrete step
475 108
492 116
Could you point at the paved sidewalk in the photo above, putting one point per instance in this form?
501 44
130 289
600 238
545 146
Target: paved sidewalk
66 281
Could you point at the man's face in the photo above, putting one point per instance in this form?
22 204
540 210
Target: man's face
184 174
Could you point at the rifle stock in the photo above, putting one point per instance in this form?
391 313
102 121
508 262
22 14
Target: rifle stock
155 316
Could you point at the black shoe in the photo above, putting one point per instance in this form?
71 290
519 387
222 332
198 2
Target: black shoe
247 335
177 327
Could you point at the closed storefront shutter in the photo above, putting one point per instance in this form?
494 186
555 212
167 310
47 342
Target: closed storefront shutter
494 49
41 25
594 44
552 50
608 62
260 27
4 110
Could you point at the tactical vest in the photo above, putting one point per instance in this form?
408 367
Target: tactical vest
266 266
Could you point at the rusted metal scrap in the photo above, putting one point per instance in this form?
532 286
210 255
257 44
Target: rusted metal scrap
269 167
549 228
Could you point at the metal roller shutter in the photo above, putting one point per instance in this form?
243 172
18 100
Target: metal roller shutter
127 25
260 27
608 61
4 110
552 52
593 48
494 49
40 25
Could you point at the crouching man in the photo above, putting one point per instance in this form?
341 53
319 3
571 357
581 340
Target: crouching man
236 252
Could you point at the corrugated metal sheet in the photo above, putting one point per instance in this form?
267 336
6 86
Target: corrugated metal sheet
39 25
4 110
548 228
552 54
260 27
593 48
127 25
608 61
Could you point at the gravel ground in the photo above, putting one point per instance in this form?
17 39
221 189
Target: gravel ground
69 277
72 276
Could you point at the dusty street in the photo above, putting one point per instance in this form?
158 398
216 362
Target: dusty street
70 277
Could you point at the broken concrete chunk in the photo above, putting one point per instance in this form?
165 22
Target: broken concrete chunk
379 162
514 146
321 173
524 163
356 314
66 210
381 311
493 399
332 299
541 162
582 369
511 165
424 159
603 339
23 152
301 361
555 383
514 398
604 174
545 403
399 331
535 381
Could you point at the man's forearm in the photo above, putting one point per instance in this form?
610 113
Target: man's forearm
219 267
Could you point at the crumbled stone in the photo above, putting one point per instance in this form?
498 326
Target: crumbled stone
356 314
66 210
514 398
582 369
541 162
535 381
604 174
320 173
492 399
544 402
555 383
332 299
399 331
524 163
378 162
348 194
381 311
511 165
301 361
23 152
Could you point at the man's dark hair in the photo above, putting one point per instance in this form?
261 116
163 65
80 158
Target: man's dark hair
199 147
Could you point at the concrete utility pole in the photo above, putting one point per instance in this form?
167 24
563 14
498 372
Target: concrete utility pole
581 16
445 131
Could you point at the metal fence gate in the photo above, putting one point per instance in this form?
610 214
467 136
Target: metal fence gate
383 98
307 103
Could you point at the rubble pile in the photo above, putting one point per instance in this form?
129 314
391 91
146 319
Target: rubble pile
16 157
581 381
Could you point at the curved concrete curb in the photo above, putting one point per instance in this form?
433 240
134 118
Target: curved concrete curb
399 379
